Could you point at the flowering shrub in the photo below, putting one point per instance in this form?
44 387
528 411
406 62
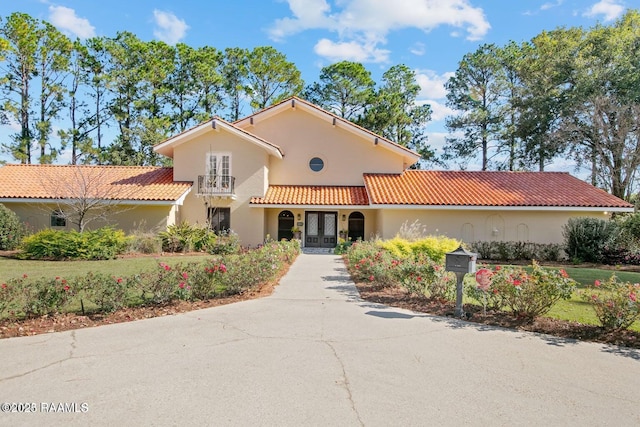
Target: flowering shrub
489 296
43 296
222 275
108 293
376 265
529 294
616 303
424 276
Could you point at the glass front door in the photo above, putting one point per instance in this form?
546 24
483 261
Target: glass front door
320 231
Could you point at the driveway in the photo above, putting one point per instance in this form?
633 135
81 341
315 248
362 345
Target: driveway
313 353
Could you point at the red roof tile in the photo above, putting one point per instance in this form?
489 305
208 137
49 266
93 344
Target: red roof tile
313 195
136 183
454 188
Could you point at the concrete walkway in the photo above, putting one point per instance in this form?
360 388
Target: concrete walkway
313 353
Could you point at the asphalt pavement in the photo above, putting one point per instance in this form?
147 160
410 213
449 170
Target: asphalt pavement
313 353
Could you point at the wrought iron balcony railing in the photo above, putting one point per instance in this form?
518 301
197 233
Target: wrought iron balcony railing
216 185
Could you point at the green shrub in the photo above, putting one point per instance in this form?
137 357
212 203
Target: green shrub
423 276
529 294
44 296
371 263
145 243
586 238
222 244
12 230
616 303
103 243
630 229
520 251
435 247
108 293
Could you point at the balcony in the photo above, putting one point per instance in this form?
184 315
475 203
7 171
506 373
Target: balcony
216 185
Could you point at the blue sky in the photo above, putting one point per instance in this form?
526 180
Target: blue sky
430 36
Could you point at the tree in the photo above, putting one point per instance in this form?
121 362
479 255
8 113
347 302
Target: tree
124 71
394 113
270 77
21 33
54 50
544 72
77 134
510 57
345 89
85 194
602 119
475 91
234 72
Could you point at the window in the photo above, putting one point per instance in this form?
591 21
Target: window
218 168
219 219
316 164
58 219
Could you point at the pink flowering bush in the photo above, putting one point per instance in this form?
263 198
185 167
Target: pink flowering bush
528 294
616 303
217 276
108 293
421 275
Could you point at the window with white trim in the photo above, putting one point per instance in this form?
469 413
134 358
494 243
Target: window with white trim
218 170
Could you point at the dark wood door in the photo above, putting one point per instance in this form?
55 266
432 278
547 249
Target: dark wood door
320 229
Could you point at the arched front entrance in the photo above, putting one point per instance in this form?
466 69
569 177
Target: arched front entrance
356 226
285 224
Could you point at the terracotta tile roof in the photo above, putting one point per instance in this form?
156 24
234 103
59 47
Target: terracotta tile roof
449 188
135 183
313 195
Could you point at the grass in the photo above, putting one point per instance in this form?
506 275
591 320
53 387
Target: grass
13 268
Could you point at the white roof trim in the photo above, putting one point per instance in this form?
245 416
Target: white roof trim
504 208
180 201
214 125
316 207
345 124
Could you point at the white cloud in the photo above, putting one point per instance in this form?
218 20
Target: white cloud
437 140
418 49
66 20
609 9
350 51
551 5
432 84
373 20
169 28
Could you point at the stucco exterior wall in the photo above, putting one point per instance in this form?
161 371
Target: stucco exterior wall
490 225
249 166
303 136
37 216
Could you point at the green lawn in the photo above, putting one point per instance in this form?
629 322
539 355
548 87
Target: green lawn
11 268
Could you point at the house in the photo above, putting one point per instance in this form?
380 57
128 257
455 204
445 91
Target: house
295 164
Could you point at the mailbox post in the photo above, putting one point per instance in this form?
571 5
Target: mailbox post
460 262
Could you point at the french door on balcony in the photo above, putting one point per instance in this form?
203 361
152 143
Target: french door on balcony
320 229
219 172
